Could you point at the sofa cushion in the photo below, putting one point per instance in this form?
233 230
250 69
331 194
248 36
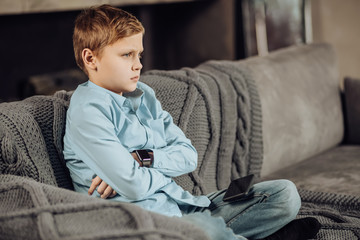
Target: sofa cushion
301 105
336 170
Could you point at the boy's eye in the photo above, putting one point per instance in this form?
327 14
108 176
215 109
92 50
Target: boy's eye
131 54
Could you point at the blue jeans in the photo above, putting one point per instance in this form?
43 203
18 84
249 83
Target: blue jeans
265 209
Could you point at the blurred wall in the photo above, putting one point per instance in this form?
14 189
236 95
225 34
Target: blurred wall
337 22
177 35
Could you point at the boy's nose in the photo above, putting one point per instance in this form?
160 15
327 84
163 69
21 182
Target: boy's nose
137 66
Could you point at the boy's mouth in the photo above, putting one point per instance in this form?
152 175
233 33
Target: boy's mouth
135 78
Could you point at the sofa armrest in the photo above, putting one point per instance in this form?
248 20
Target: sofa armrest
352 110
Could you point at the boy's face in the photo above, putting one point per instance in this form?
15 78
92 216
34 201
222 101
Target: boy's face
118 66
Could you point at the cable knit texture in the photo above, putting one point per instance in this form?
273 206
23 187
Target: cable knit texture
31 139
338 214
217 106
32 210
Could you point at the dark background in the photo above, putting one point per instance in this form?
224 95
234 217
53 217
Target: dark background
177 35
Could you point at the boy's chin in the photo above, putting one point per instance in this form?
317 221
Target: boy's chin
132 89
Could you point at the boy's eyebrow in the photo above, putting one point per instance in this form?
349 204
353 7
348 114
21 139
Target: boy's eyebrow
132 50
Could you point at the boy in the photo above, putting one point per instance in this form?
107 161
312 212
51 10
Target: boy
113 119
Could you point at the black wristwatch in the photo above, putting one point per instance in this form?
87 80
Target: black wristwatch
144 157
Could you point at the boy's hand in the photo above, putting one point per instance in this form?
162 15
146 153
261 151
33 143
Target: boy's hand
104 190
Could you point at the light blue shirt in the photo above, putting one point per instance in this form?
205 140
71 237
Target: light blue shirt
102 128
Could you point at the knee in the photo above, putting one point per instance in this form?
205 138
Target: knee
290 198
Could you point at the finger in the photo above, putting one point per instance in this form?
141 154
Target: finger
95 182
103 185
107 192
113 194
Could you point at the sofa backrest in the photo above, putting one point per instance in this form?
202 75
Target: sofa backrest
301 104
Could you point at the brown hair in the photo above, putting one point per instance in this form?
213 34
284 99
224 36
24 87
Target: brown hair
97 27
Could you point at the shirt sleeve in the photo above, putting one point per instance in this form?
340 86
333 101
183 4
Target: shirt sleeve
95 142
179 156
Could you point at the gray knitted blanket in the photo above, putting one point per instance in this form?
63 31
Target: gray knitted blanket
31 133
32 210
217 106
338 214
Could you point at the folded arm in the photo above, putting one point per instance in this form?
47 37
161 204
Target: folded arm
177 156
103 188
96 144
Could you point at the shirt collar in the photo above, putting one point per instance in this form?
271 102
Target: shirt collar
134 97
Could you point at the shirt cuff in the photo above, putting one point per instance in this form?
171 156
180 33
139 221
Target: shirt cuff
158 157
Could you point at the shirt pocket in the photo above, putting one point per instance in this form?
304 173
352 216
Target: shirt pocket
158 131
133 134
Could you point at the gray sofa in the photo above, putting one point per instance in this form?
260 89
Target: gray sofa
278 116
304 119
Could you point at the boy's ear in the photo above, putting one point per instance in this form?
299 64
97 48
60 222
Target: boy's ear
89 59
